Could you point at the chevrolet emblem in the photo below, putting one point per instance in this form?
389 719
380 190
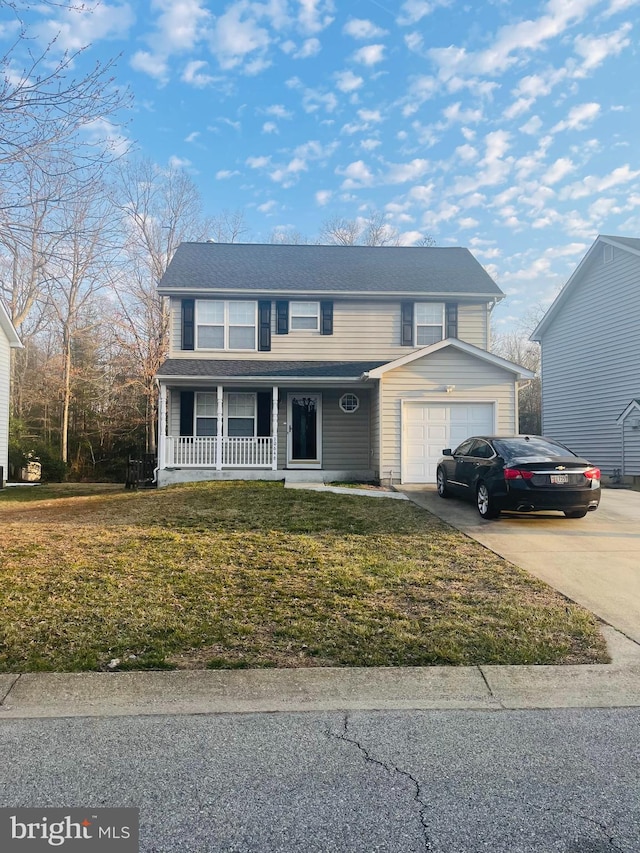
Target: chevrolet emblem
560 468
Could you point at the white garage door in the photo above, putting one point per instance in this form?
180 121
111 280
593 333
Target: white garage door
430 427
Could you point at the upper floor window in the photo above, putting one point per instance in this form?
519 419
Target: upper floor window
607 253
225 325
304 316
429 322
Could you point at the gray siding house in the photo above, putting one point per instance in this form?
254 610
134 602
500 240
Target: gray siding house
590 340
8 340
326 362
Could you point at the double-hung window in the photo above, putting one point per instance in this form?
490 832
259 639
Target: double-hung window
205 412
225 325
429 320
304 316
241 414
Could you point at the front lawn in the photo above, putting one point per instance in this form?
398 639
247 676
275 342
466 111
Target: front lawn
250 574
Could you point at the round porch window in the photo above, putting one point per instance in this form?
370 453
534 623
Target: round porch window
349 403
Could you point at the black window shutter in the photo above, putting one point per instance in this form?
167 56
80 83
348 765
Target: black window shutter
186 412
264 325
188 323
407 324
326 318
282 317
264 413
451 315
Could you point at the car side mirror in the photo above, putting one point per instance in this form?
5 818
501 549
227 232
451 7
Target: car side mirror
447 452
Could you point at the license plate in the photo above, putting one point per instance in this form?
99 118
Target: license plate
559 479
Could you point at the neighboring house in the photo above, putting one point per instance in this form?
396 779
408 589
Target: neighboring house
590 340
326 362
8 340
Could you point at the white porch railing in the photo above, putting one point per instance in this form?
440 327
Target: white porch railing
202 452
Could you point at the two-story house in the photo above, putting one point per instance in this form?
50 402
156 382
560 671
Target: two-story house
327 362
8 339
590 342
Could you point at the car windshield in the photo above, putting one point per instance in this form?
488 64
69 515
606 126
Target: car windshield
531 447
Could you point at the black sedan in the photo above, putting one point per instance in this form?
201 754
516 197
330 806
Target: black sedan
522 473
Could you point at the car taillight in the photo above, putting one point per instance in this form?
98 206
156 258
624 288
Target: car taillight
517 474
592 473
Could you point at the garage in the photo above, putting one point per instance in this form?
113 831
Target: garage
427 428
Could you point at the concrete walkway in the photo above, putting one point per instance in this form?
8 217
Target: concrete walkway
494 688
595 561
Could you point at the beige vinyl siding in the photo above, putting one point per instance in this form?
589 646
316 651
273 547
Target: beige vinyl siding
361 331
5 376
425 379
591 359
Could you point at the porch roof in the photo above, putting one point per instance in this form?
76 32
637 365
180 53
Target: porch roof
261 369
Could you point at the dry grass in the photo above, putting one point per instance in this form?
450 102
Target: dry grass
251 574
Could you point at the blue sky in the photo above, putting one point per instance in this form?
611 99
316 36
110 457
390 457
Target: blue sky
508 127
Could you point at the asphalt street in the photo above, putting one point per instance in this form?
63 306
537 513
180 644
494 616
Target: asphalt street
440 781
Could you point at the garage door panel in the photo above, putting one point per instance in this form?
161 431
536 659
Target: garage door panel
430 427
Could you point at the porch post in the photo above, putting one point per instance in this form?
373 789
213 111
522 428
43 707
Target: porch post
162 427
274 429
219 430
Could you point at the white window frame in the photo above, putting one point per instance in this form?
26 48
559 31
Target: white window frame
293 314
417 325
226 412
197 417
341 403
227 325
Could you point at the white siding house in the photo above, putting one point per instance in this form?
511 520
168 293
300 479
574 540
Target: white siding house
590 340
8 340
326 362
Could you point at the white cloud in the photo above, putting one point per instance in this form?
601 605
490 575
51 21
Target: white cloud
237 34
562 167
370 144
269 127
258 162
467 153
595 49
287 175
267 207
347 81
225 174
309 47
590 185
468 222
371 54
323 197
413 11
277 111
579 117
151 64
400 173
356 175
315 15
176 162
192 136
78 26
194 75
360 28
456 113
532 127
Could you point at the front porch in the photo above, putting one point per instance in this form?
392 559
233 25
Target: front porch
301 432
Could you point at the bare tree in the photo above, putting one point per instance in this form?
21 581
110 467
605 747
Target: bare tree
369 230
516 346
160 208
287 237
228 227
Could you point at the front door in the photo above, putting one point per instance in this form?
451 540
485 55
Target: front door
304 431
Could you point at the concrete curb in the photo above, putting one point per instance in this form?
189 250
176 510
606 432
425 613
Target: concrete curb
488 688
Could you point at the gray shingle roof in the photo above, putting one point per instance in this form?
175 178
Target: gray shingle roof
260 369
326 269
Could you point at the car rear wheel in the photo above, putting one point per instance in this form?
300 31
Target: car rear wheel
485 503
575 513
441 481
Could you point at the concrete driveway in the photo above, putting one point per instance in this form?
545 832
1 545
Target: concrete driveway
594 560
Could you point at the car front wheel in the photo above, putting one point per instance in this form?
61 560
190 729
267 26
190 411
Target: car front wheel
485 503
441 481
